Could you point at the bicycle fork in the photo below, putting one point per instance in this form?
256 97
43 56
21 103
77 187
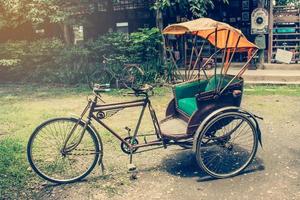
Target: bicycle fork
66 149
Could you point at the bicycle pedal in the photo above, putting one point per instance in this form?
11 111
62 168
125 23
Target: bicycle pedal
133 172
131 167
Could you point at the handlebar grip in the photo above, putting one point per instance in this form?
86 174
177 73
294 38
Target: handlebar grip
102 90
102 87
129 94
107 85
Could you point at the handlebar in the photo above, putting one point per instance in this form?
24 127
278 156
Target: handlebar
101 88
143 91
105 59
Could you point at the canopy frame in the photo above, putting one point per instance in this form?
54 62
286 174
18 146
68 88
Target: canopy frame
227 57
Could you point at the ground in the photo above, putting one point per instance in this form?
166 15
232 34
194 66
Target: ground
164 173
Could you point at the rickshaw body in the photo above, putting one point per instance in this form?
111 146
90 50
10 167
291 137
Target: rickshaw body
205 112
197 96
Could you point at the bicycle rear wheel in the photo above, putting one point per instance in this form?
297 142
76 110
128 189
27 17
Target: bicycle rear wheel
47 158
227 145
100 77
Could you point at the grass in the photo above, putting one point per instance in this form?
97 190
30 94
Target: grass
24 107
13 168
273 90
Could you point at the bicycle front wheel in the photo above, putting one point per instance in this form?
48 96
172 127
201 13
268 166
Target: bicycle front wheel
46 155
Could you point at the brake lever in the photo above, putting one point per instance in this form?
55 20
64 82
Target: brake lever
99 97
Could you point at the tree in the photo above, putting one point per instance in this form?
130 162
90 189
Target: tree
288 2
16 12
197 7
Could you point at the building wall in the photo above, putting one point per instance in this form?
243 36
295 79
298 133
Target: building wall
138 14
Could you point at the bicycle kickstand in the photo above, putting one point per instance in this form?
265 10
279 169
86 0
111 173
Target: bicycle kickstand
132 169
101 165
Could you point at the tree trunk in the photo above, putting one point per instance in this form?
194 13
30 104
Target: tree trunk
160 26
67 33
159 20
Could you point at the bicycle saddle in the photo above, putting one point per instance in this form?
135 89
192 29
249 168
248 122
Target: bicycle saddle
145 89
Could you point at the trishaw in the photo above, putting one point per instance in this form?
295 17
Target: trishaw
204 115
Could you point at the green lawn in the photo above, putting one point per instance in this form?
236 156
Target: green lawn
22 108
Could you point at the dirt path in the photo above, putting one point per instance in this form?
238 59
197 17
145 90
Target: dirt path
174 174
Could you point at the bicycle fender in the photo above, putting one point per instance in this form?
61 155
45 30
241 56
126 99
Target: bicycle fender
254 118
225 109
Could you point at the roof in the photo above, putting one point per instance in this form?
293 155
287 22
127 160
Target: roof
209 29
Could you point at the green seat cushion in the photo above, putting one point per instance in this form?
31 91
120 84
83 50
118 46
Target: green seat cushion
188 105
214 80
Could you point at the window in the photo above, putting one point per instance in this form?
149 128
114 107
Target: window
130 4
40 31
78 34
122 27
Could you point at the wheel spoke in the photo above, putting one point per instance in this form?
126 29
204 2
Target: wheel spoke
48 159
230 148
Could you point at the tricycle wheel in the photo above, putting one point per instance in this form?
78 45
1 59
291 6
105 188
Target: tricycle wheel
227 145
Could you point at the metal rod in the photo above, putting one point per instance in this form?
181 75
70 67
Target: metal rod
155 121
239 74
121 103
139 122
175 64
111 131
185 52
192 54
146 150
197 60
75 126
216 65
119 107
223 60
204 73
247 64
209 59
233 53
157 142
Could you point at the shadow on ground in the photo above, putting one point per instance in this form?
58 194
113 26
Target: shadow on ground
184 164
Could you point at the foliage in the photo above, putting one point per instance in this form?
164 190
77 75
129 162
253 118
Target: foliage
13 169
197 7
51 61
16 12
288 2
140 47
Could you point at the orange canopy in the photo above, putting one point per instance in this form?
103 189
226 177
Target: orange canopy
210 29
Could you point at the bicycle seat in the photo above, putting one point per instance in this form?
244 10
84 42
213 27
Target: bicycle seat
143 90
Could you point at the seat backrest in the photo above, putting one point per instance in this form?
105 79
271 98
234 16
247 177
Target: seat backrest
214 80
189 89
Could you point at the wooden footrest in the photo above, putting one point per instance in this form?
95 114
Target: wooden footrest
174 129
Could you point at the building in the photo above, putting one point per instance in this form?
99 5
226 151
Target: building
130 15
92 20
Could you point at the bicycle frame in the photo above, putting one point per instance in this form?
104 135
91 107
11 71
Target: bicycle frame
98 112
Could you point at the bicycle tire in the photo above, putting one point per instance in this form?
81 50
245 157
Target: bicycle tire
96 141
204 137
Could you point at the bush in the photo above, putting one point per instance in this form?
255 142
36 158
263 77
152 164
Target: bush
51 61
140 47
